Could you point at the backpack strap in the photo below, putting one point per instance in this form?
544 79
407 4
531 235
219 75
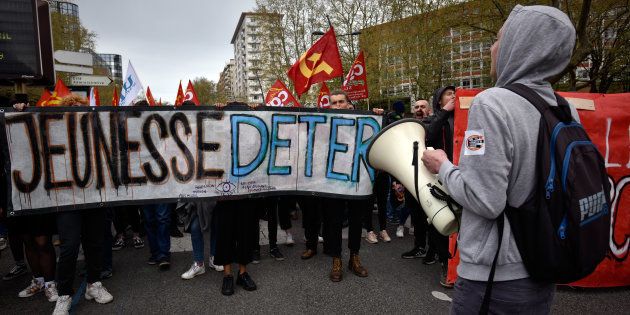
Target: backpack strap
485 305
562 112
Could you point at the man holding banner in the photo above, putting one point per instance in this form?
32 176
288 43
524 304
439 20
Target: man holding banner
332 213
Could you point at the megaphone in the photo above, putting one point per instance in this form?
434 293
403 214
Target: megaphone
397 150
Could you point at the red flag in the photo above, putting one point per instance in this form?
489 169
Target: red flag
45 96
191 95
179 99
318 64
94 97
355 84
150 98
323 100
115 98
280 96
61 90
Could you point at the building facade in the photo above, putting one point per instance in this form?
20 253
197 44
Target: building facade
111 62
67 7
226 80
411 57
248 79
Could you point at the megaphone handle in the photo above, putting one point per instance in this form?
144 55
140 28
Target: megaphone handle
415 169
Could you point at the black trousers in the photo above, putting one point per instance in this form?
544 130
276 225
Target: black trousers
311 220
438 244
127 215
237 220
418 219
84 227
278 210
382 185
332 214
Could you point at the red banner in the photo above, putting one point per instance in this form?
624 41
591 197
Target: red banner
355 84
280 96
607 121
323 100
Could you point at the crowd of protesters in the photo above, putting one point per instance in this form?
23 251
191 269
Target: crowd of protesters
232 226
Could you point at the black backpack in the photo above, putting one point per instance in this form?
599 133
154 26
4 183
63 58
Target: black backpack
562 229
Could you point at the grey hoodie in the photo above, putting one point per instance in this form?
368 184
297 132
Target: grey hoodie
536 43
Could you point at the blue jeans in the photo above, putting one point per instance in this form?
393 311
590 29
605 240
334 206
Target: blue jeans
3 230
157 221
196 237
403 214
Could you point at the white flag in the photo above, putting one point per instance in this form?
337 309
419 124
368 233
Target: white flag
92 97
131 87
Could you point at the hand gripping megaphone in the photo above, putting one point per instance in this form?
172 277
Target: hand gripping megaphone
397 150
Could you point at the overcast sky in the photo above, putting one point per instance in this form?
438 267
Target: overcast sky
166 40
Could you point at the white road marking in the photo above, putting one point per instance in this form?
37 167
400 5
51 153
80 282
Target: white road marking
441 296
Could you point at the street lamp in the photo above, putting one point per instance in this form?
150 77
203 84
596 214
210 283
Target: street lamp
320 33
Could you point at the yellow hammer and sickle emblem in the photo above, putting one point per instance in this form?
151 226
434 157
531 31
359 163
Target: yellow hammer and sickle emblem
309 72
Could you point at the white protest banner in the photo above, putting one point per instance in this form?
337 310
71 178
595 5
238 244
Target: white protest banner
82 157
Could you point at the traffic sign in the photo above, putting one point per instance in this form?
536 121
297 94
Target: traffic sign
73 69
74 58
90 80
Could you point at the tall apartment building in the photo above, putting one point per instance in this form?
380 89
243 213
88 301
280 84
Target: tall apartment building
248 81
226 79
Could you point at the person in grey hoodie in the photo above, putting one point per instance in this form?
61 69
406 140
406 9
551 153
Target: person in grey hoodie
534 44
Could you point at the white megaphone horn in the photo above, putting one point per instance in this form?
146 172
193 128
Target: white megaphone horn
392 150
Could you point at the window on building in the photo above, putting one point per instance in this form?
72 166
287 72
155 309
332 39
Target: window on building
476 82
465 83
465 47
475 64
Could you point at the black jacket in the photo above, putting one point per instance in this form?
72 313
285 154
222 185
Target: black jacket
439 126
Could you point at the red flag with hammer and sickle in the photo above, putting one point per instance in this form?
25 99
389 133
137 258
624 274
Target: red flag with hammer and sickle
318 64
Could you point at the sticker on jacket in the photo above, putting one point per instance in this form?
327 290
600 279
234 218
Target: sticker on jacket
474 142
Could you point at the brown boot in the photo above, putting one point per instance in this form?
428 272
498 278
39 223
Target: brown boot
336 274
355 266
309 253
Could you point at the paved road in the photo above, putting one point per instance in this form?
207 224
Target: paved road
291 286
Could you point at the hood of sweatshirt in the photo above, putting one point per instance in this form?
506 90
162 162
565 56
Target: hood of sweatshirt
536 44
437 95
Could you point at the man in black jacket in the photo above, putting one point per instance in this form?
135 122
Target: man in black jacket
439 128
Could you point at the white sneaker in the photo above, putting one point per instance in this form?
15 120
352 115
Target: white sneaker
98 292
320 239
400 231
371 237
290 241
51 292
194 270
385 236
32 289
63 305
213 266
